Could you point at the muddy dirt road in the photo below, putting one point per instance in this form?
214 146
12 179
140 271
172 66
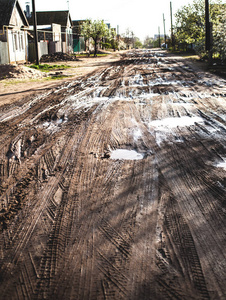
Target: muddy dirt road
113 185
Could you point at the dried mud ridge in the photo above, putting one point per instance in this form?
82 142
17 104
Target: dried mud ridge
77 224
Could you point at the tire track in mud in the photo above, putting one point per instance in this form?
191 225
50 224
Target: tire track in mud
84 171
93 222
180 235
43 202
90 227
188 189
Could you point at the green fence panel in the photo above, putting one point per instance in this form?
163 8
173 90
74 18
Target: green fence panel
79 44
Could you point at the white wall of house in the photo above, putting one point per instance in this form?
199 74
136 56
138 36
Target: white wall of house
17 48
69 36
4 58
15 18
56 29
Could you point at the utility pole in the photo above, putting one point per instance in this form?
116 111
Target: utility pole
171 17
133 41
164 29
208 31
207 23
159 39
35 31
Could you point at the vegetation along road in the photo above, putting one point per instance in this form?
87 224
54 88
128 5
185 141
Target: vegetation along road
113 185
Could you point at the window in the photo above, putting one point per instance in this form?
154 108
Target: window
15 42
21 41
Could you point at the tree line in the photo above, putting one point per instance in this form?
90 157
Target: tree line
188 33
190 27
104 36
189 30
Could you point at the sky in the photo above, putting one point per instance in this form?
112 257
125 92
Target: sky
143 17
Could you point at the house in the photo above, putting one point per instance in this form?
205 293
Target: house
49 40
13 32
54 18
52 34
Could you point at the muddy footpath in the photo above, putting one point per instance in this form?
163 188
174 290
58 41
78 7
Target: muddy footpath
112 184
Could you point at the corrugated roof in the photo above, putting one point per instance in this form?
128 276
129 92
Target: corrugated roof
6 8
49 17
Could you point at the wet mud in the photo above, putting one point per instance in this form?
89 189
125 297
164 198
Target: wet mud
113 185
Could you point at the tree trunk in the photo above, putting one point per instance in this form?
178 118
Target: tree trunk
95 48
96 42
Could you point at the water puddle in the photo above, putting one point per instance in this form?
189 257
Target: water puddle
167 123
221 164
137 134
126 154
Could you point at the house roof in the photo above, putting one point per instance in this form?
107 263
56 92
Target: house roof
6 9
49 17
78 22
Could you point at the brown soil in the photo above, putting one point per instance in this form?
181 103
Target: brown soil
10 71
20 81
78 224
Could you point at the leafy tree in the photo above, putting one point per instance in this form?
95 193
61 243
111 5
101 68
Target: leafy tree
129 38
190 23
112 39
110 42
96 30
156 42
137 43
148 42
115 44
83 29
219 35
